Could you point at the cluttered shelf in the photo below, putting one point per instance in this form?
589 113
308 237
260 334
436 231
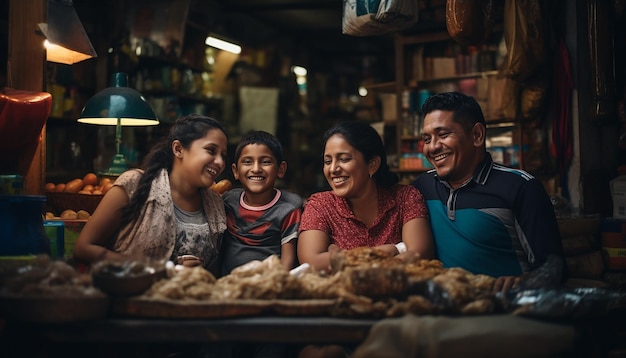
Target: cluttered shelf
209 100
158 61
383 87
428 81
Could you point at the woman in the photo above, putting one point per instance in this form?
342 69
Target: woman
366 206
165 211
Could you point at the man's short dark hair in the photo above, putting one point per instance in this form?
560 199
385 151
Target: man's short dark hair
466 110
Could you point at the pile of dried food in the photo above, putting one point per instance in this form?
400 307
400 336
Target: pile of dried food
368 282
51 291
364 282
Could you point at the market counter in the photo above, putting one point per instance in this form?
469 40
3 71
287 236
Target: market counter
423 336
249 329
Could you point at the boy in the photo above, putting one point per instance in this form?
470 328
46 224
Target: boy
261 219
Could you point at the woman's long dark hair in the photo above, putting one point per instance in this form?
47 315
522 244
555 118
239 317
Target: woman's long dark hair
364 138
186 129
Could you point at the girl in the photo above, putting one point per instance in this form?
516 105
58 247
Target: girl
165 211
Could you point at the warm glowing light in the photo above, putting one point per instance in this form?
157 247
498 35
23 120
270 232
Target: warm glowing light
223 45
362 91
56 53
299 71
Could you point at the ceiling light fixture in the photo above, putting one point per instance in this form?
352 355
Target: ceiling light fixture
299 70
223 45
66 40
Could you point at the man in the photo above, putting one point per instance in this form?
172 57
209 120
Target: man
485 217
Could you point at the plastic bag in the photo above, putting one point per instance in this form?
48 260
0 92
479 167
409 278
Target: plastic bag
377 17
565 304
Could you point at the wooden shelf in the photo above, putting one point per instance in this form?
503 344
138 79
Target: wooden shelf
424 38
502 123
455 78
409 41
168 61
214 100
436 34
382 87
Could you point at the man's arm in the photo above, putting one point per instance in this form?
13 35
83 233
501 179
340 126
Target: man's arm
535 214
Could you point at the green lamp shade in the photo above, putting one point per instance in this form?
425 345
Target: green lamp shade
118 106
118 102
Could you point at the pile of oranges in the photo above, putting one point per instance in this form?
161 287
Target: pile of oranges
89 185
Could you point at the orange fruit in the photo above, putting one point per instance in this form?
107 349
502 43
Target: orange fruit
104 181
90 179
88 187
107 187
74 186
49 187
59 188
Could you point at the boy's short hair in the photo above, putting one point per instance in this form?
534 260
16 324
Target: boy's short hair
260 137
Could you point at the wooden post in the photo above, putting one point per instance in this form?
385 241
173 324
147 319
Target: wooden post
25 71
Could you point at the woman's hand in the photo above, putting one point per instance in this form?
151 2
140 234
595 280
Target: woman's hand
409 256
189 261
337 260
505 283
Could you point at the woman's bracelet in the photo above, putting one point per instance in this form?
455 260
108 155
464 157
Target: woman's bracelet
401 247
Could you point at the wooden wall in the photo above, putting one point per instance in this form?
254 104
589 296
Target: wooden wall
25 71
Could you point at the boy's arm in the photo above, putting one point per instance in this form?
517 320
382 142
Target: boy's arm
288 254
289 239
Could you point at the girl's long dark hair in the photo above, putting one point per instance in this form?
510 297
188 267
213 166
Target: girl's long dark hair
186 129
364 138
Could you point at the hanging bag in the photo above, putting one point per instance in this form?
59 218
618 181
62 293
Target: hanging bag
377 17
469 22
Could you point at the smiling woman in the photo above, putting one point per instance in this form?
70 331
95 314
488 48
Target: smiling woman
366 206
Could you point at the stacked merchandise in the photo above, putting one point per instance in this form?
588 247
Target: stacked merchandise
581 246
613 236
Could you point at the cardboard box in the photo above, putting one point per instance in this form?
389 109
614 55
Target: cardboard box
389 107
618 194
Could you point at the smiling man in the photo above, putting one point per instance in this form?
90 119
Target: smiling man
485 217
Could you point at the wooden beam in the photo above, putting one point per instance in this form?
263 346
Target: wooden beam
25 71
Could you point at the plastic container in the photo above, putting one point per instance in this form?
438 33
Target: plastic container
21 225
11 184
55 231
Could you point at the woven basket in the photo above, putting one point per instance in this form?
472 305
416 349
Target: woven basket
59 202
